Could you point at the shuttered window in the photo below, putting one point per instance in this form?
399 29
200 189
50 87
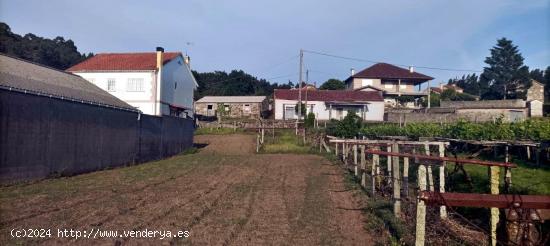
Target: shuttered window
135 84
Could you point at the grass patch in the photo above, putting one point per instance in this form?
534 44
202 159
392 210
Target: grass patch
217 131
526 179
285 142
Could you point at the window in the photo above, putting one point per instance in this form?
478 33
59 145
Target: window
111 84
226 107
209 106
366 82
175 85
246 108
135 84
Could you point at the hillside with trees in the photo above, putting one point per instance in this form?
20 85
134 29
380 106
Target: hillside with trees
235 83
57 53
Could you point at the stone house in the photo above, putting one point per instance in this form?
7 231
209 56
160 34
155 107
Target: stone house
253 107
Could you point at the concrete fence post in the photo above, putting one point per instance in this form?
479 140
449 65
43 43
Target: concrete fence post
494 175
430 175
375 171
442 209
257 143
355 160
363 167
336 149
507 171
395 182
421 208
406 177
389 165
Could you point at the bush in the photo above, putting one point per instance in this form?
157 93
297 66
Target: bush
536 130
348 127
310 120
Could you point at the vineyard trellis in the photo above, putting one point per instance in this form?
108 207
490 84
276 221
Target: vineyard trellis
364 158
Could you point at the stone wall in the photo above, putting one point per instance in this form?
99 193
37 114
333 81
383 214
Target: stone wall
436 115
235 110
513 103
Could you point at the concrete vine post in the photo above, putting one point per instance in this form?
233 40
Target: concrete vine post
389 165
430 175
442 209
406 176
420 233
375 171
355 160
363 170
507 172
395 182
494 175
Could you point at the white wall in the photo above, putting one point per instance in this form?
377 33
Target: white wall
176 71
375 110
143 100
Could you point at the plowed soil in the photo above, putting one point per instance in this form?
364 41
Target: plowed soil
223 195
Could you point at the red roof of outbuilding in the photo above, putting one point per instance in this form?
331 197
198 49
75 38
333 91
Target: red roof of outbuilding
122 61
329 95
389 71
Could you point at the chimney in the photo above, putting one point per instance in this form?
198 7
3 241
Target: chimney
187 60
158 108
411 69
352 71
160 52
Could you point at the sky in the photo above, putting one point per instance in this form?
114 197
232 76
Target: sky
264 38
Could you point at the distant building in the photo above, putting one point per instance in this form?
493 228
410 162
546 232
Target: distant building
535 99
391 80
233 106
156 83
330 104
442 87
536 91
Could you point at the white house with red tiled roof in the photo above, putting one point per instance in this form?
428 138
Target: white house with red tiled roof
330 104
143 81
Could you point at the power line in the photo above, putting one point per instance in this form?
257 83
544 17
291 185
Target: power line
270 68
400 65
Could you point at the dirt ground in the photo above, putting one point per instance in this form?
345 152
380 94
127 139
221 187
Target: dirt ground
223 195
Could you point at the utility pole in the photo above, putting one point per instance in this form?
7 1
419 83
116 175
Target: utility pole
307 82
300 86
429 94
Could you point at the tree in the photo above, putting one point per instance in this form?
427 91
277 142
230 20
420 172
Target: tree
506 75
57 53
452 95
470 84
310 120
333 84
537 74
434 100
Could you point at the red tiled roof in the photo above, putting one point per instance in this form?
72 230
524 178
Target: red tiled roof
122 61
388 71
329 95
436 89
